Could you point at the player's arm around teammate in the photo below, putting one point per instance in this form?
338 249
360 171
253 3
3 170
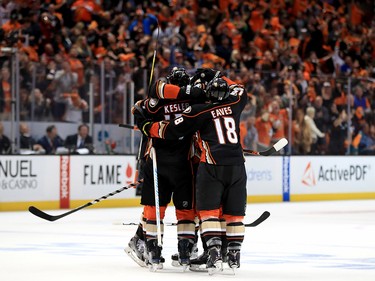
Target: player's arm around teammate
221 177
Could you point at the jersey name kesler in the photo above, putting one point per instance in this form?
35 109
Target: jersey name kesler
178 107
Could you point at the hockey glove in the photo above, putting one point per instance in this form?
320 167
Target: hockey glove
139 113
137 109
145 127
205 75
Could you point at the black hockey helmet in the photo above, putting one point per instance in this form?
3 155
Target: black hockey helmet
217 89
178 77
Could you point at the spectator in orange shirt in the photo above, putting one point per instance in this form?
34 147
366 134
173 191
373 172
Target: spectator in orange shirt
293 41
76 65
358 71
278 120
84 10
256 20
12 24
356 14
358 119
264 128
5 94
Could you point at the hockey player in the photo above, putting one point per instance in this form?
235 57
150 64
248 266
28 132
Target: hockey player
221 176
175 175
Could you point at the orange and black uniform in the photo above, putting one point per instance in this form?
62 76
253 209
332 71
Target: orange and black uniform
221 177
174 166
174 173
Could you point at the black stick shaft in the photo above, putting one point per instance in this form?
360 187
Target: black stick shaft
39 213
128 126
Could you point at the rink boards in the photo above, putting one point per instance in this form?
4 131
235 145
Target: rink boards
61 182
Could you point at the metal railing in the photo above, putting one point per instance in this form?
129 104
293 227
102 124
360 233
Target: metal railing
110 89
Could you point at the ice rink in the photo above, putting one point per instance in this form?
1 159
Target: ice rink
316 241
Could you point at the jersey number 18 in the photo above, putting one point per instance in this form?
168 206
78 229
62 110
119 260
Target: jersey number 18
226 130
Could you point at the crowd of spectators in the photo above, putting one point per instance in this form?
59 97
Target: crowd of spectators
303 62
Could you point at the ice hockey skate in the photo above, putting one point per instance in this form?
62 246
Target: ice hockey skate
215 261
198 264
135 250
233 258
186 252
154 260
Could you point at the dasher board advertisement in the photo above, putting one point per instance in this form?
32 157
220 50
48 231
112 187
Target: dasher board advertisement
332 174
94 176
264 175
25 178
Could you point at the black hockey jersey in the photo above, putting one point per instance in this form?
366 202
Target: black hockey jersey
218 125
168 151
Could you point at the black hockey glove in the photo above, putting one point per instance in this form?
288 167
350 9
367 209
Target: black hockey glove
143 122
205 75
192 92
138 112
145 127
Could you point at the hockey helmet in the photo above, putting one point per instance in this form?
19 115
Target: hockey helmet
178 77
217 89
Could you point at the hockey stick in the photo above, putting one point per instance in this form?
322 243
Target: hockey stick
156 191
39 213
276 147
153 58
128 126
140 147
257 222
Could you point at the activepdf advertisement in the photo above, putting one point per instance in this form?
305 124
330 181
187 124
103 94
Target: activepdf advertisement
332 174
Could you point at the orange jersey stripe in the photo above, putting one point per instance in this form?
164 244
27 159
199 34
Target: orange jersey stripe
171 91
166 91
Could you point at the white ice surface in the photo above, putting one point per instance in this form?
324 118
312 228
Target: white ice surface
300 241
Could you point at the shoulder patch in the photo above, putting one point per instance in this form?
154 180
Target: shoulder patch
187 110
153 102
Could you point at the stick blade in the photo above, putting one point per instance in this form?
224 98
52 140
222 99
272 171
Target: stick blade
280 144
259 220
39 213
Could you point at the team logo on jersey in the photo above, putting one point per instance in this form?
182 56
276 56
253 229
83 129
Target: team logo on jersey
153 102
187 110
